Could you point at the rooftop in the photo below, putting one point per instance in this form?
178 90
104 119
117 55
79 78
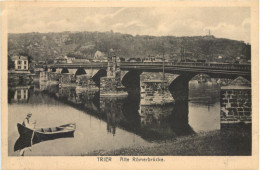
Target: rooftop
16 57
238 83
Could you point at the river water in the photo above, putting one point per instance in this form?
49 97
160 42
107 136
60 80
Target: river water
104 124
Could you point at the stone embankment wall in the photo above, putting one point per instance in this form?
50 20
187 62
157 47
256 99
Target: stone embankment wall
235 102
235 105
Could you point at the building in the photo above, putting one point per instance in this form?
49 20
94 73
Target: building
149 59
70 59
99 56
235 102
64 60
60 60
21 63
122 59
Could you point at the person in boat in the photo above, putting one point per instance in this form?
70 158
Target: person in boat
26 123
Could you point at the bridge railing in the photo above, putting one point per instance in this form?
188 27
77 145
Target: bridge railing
208 65
226 66
68 65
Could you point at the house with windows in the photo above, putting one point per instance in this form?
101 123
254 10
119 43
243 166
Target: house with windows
21 63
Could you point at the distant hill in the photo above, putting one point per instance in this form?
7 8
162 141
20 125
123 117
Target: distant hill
47 46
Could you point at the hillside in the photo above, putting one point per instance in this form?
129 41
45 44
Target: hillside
47 46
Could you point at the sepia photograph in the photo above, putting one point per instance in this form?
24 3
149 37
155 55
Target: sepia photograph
136 82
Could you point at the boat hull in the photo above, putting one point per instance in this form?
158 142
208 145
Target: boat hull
26 134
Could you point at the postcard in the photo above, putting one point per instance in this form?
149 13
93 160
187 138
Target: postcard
130 85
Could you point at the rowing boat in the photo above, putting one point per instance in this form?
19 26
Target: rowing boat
49 133
29 136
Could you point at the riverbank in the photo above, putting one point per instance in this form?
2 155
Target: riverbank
219 142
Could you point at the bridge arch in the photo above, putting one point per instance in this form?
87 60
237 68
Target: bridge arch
64 70
80 71
98 75
179 87
132 79
199 76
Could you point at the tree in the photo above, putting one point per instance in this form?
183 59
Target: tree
30 58
10 63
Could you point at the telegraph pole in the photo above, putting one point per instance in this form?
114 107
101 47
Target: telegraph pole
163 63
163 70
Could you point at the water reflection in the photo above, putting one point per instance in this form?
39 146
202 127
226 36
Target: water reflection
204 93
204 106
151 122
18 94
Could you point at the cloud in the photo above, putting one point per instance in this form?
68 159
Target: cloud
226 30
133 27
149 21
181 28
115 13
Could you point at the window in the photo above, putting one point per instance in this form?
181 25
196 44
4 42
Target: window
25 67
19 62
19 67
25 62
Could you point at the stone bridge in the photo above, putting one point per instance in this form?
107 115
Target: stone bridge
155 87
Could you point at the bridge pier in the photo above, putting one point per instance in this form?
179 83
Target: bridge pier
67 78
86 83
111 84
155 92
154 88
52 76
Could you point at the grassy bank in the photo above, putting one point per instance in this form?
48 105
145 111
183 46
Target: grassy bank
224 142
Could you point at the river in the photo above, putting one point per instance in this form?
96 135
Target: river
108 123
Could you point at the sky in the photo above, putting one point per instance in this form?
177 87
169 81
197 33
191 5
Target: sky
223 22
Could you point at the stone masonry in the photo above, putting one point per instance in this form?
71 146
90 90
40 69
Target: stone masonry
111 85
235 101
52 76
155 92
85 82
67 78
